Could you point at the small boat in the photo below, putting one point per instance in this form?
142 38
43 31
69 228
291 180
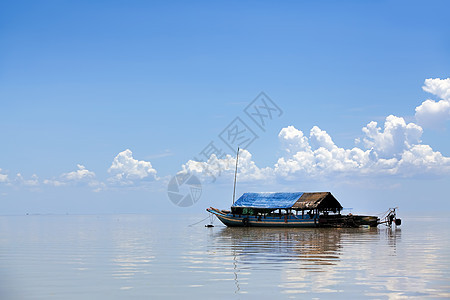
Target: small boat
298 209
291 210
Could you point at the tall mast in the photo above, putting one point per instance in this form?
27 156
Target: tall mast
235 173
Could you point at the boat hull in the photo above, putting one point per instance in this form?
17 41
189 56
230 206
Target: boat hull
293 221
253 221
268 222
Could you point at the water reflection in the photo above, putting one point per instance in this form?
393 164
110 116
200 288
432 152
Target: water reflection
132 251
271 247
125 257
298 253
393 236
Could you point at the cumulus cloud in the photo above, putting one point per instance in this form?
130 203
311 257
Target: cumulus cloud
321 139
422 159
322 157
215 167
80 176
438 87
293 140
394 149
433 113
126 170
395 137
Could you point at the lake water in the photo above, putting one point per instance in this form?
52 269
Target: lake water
154 257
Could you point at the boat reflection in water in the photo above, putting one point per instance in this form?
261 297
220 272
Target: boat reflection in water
310 259
318 246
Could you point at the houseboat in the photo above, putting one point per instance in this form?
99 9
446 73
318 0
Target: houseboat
295 210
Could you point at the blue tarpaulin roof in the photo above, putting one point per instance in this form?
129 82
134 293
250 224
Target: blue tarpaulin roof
267 200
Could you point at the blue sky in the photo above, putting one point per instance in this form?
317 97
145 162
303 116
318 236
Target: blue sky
82 82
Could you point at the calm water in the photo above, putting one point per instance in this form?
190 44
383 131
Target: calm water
146 256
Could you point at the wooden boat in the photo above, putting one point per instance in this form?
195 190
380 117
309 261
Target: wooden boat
290 210
294 210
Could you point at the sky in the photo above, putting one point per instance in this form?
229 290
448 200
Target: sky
103 103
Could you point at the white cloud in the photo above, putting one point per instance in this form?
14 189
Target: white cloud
394 138
54 182
433 113
126 169
33 181
438 87
3 177
293 140
323 157
422 158
80 176
321 139
395 150
215 167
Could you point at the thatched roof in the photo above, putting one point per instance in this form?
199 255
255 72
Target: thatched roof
323 200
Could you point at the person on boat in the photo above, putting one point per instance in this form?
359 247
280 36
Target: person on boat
391 219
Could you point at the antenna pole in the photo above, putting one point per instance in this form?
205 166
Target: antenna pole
235 173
